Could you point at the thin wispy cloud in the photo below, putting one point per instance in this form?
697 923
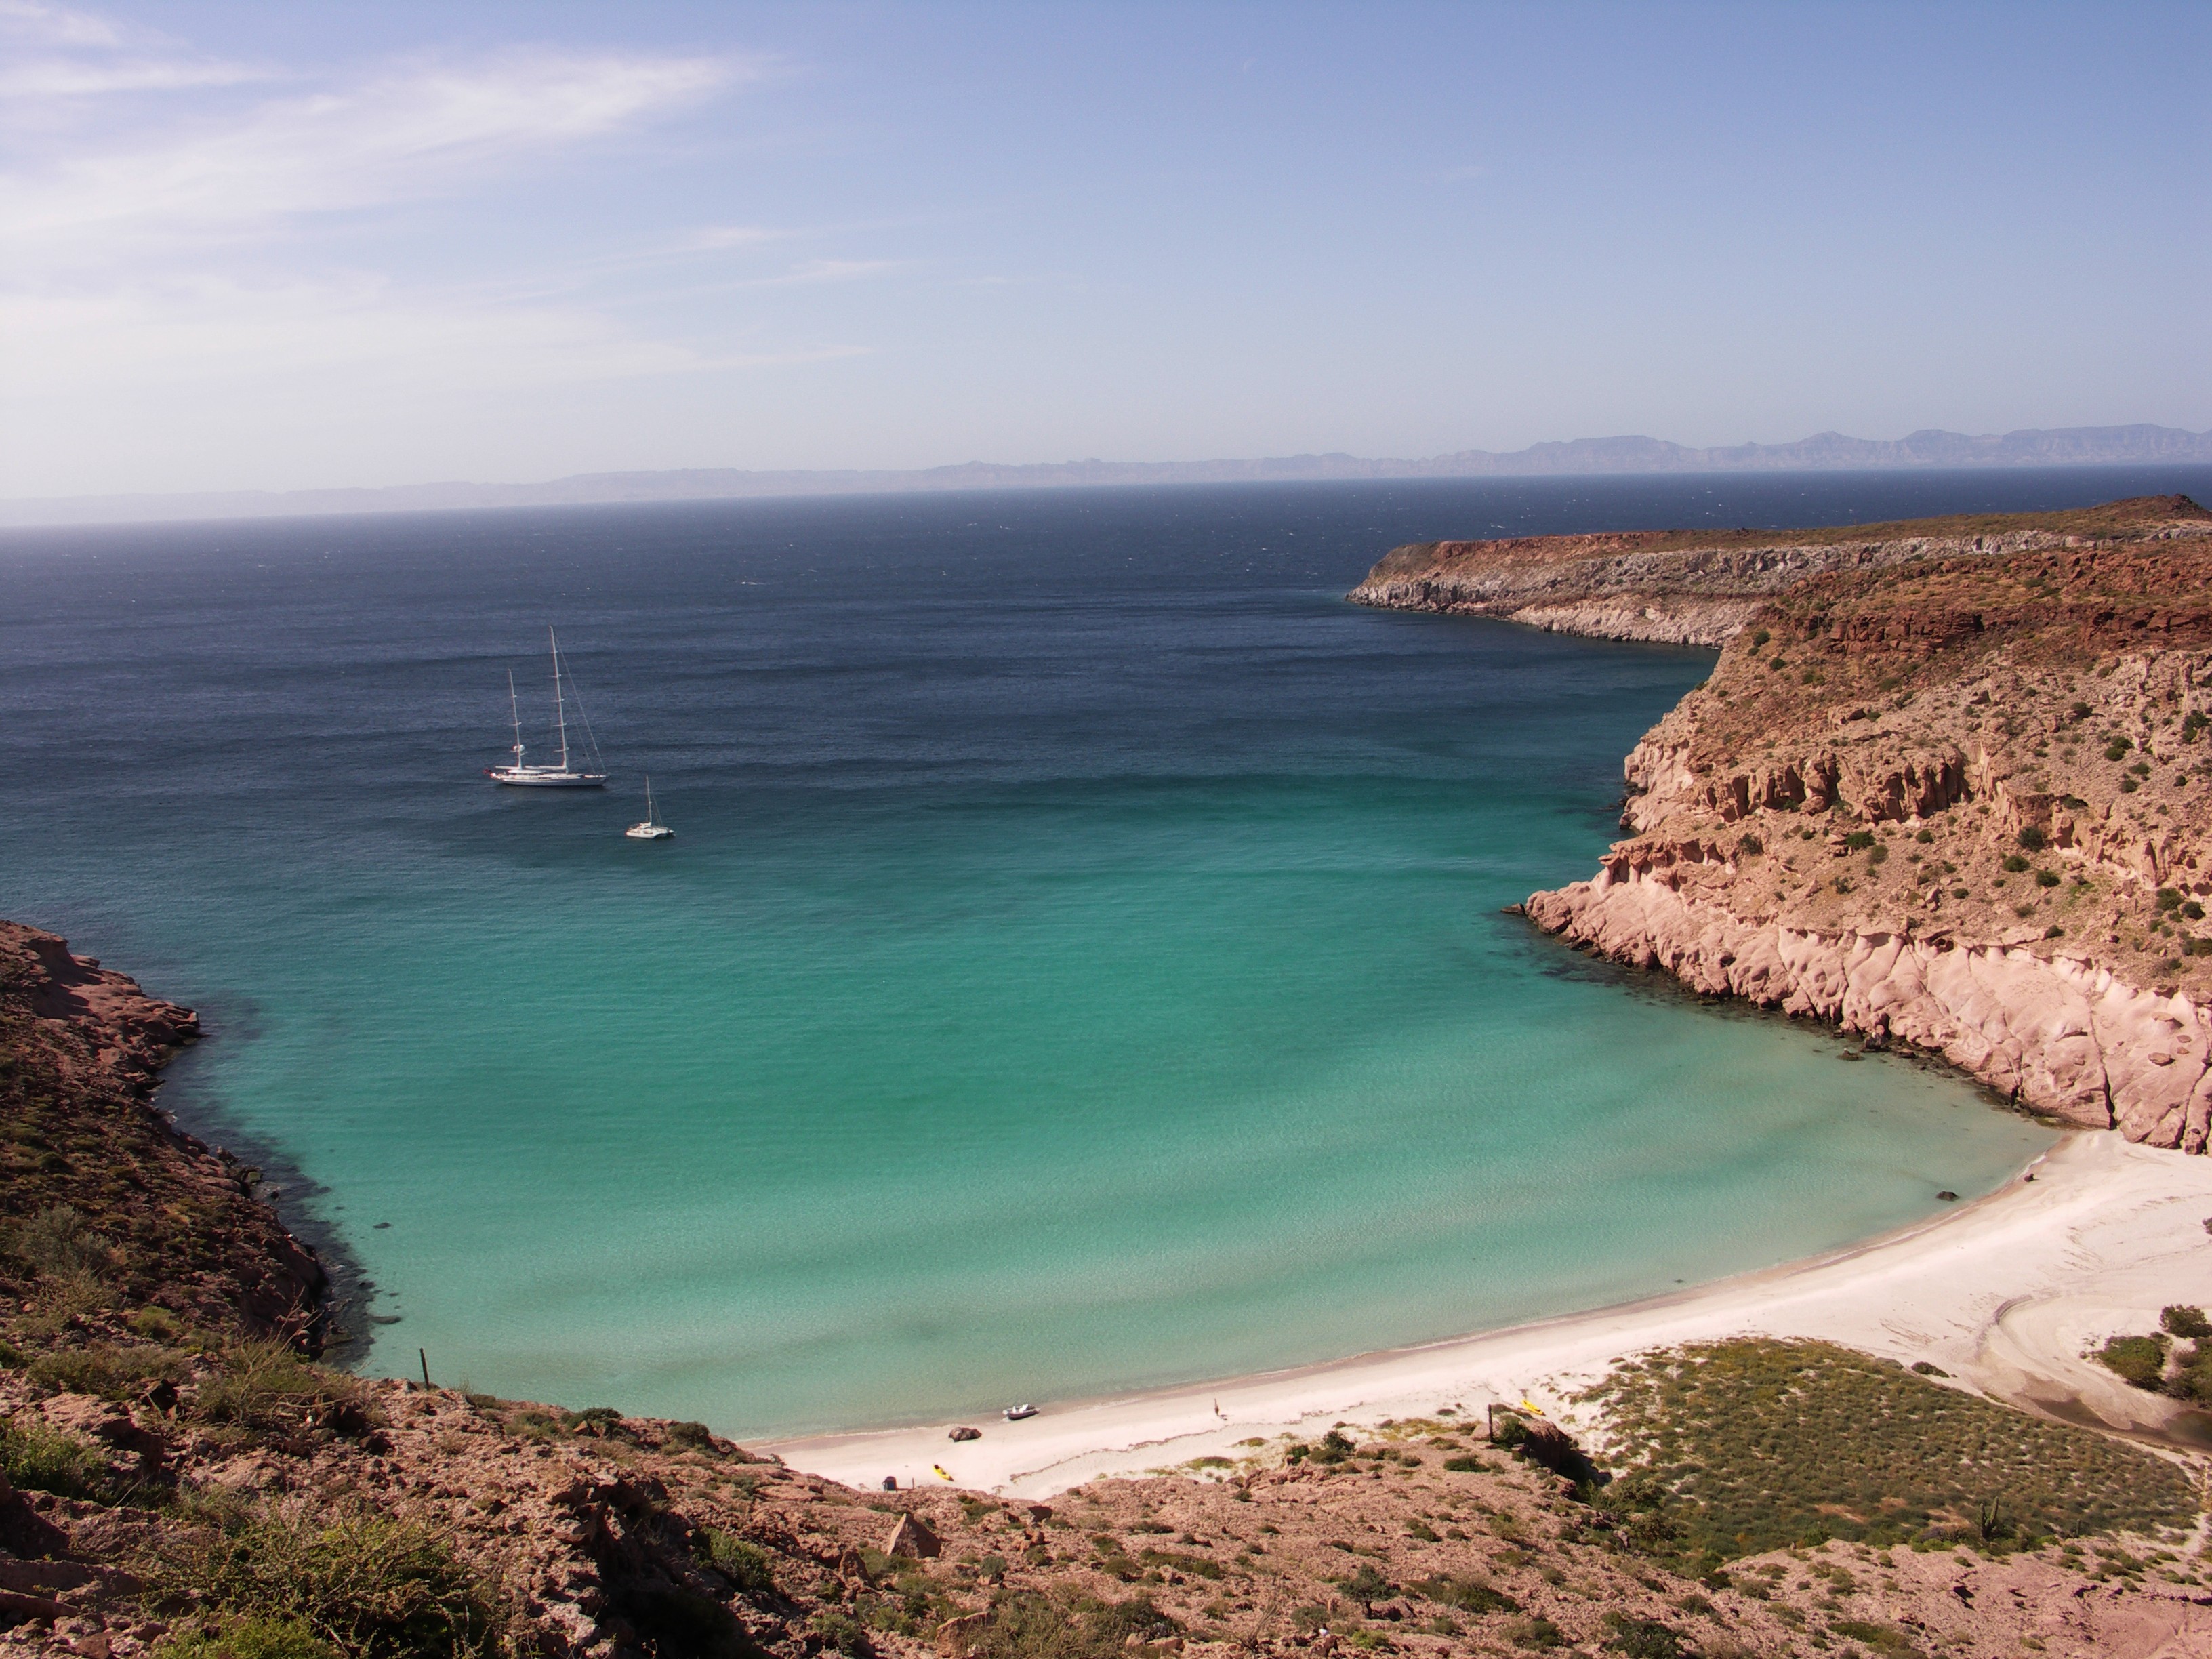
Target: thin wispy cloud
407 135
184 228
828 271
57 26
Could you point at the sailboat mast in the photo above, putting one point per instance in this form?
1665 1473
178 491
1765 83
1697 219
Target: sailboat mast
560 710
515 707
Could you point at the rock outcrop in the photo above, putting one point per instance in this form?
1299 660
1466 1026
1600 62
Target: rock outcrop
87 1046
1701 588
1961 803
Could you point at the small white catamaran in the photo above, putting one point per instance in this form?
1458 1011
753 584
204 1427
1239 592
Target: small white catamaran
652 829
563 776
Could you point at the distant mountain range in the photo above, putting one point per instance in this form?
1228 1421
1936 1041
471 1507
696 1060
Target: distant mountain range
1827 451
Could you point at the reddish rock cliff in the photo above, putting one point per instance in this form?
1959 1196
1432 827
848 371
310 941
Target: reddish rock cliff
1963 803
1698 587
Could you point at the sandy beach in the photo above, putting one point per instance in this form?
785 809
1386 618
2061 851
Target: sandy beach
2005 1295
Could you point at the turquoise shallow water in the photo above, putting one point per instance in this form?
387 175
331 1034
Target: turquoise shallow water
1078 967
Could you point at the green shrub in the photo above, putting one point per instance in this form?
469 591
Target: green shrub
2014 864
1882 1638
2032 838
2192 1377
1063 1625
1197 1566
2046 879
1859 840
1466 1464
373 1587
2140 1360
250 1638
265 1385
38 1457
58 1241
1750 847
1366 1585
696 1435
2117 748
1467 1595
1759 636
1925 837
2169 898
1644 1638
156 1325
112 1373
2193 910
2183 1318
1331 1447
744 1563
1538 1634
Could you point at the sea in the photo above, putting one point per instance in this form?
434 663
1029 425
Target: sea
1081 964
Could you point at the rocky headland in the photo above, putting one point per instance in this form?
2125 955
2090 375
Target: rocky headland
1701 586
1947 784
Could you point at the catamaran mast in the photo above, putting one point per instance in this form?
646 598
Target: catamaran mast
514 708
560 710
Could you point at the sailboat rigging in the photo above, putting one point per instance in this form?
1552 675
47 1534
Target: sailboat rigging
563 777
652 829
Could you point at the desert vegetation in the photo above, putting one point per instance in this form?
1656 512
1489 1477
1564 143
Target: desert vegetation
1731 1448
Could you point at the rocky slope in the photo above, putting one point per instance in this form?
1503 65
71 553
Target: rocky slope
1962 803
1699 587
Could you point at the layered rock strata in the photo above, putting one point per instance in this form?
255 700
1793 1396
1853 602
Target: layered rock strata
1701 588
1961 803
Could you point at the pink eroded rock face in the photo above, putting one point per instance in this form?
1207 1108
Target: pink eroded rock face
1965 805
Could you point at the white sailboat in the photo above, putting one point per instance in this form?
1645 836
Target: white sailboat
652 829
563 776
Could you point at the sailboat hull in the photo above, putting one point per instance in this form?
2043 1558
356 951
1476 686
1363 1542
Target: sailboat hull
544 777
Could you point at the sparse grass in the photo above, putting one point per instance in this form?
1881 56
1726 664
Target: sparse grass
745 1564
1029 1625
370 1586
112 1372
1740 1447
39 1458
265 1385
249 1639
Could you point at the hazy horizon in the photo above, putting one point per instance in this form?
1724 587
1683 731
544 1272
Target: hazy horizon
257 247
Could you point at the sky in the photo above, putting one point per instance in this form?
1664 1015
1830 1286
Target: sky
250 245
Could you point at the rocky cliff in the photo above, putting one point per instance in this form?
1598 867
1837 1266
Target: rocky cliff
1960 801
1699 587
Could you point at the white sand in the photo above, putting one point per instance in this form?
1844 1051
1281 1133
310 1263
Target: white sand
2004 1294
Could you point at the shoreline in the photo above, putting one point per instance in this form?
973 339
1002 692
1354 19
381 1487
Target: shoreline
2004 1294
